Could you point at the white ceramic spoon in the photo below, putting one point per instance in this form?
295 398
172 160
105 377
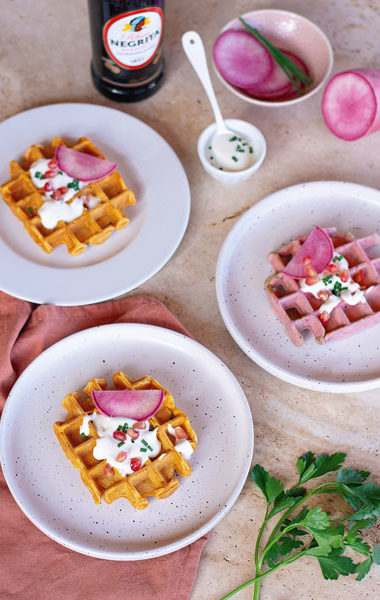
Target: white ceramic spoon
225 141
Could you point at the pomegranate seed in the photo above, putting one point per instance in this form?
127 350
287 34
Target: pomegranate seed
332 269
119 435
63 189
48 187
49 174
139 425
52 164
132 433
108 471
324 316
323 295
343 276
311 280
135 464
121 456
359 276
180 433
57 195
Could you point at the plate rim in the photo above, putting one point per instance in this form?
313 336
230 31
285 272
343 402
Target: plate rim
178 338
252 353
84 297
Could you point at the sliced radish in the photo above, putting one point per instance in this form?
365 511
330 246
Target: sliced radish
82 166
241 59
317 247
138 405
277 83
350 104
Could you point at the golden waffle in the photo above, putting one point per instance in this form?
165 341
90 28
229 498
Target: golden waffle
299 311
94 225
155 478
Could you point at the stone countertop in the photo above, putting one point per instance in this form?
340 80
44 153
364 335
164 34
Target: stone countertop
44 58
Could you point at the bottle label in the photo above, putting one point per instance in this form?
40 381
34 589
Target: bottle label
132 39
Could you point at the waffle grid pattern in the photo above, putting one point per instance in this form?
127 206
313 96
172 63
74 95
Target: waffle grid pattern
94 226
155 478
299 311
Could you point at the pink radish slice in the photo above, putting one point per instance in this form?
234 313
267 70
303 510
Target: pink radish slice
138 405
84 167
349 104
318 247
277 83
241 59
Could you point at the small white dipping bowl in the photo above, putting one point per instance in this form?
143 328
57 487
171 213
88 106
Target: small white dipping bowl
251 133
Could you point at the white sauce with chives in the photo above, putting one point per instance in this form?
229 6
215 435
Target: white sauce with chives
107 447
53 210
230 152
350 290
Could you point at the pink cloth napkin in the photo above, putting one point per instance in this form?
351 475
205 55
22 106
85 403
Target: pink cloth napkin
33 565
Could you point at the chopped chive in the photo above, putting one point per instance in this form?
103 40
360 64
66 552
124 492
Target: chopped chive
120 427
84 436
143 450
240 150
220 168
211 158
233 139
234 158
171 415
151 427
60 172
250 150
30 211
121 444
150 448
133 441
209 148
144 442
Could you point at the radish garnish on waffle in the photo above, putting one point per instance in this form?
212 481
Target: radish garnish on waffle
325 283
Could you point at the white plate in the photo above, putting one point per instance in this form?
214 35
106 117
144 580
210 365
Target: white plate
129 256
49 489
344 366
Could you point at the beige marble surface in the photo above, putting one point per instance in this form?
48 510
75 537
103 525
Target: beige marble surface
44 58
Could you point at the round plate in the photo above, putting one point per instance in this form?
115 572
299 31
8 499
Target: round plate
342 366
130 256
49 489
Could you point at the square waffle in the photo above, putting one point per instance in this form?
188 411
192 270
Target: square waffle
155 477
93 226
299 311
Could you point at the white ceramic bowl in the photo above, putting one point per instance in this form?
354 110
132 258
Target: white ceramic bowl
250 132
292 32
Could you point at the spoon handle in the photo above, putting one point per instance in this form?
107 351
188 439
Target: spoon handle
195 52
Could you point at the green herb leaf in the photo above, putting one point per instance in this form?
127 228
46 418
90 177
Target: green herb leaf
357 544
333 564
363 568
310 467
286 500
270 486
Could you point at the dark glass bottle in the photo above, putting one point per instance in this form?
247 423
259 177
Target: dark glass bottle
127 47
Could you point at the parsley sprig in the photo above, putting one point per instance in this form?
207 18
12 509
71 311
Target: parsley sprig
310 531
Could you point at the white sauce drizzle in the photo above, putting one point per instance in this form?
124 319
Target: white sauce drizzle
106 446
352 295
182 446
52 210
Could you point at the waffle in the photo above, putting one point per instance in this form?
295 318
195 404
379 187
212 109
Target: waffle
299 311
94 225
156 476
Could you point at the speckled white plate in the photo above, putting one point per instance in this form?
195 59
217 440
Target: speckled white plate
130 256
343 366
50 491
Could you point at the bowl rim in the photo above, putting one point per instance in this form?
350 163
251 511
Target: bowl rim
291 101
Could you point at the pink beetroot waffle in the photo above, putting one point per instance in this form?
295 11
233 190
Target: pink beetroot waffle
298 311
